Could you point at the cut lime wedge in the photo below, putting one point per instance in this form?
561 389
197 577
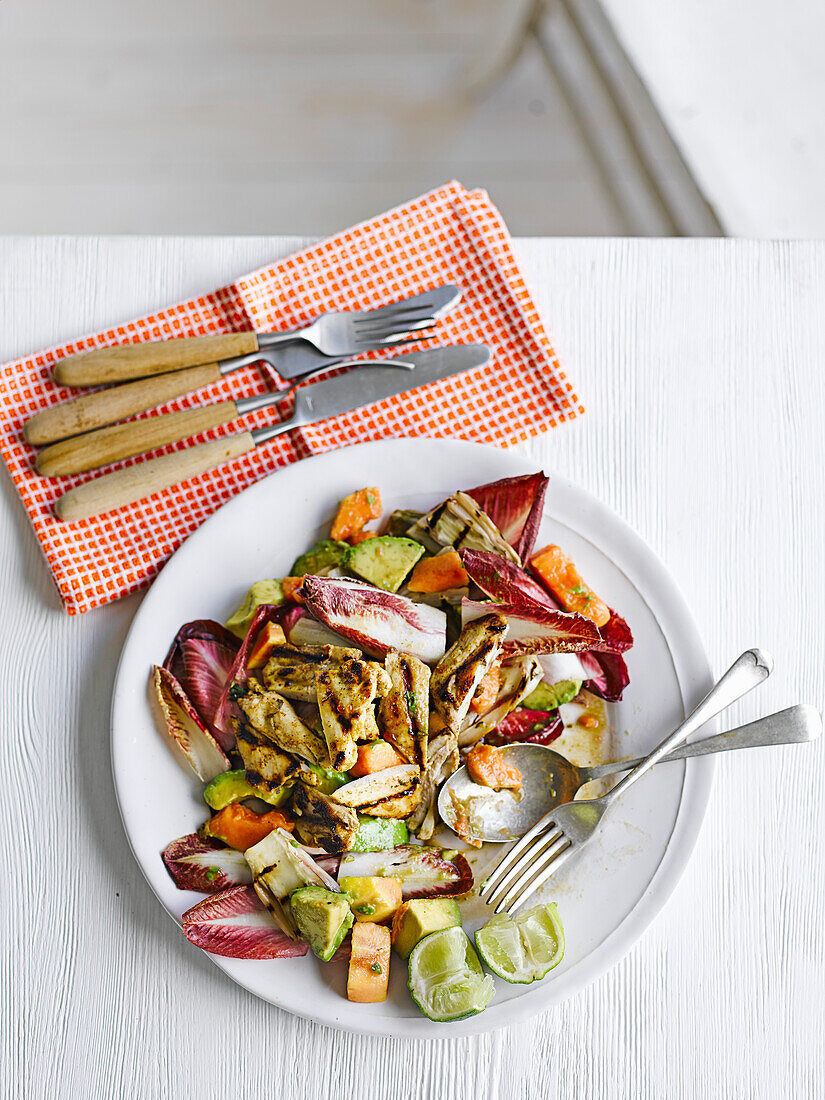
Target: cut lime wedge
523 948
446 980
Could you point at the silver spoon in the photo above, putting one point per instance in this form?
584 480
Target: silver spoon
549 779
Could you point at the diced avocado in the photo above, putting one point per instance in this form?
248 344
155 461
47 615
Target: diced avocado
323 555
384 561
377 834
323 918
233 786
260 592
402 520
323 779
418 918
373 898
552 696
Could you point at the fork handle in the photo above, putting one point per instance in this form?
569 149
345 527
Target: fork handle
745 673
117 364
95 410
793 726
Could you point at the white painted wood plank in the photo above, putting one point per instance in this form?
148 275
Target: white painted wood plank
700 365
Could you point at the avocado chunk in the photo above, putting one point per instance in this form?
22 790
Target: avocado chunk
384 561
551 696
324 555
233 786
378 834
322 917
418 918
260 592
373 898
324 779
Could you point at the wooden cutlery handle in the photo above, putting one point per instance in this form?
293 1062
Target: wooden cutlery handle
101 365
94 410
106 445
141 480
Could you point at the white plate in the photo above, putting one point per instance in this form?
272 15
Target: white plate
609 896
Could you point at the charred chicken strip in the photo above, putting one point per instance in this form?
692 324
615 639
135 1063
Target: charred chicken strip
463 667
290 669
269 713
442 761
346 691
266 766
321 822
403 714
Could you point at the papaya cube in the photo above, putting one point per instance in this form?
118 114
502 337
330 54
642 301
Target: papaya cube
270 636
375 756
369 963
372 899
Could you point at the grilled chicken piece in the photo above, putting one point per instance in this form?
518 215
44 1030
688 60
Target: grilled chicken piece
518 678
463 667
346 691
322 823
270 714
399 805
404 711
266 767
442 761
378 786
290 669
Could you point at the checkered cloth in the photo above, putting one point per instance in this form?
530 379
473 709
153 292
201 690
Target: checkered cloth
447 236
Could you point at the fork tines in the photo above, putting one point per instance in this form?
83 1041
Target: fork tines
527 865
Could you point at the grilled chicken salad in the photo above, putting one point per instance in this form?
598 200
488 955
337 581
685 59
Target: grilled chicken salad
325 714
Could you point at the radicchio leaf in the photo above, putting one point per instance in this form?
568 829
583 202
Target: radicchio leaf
424 871
236 924
200 658
375 620
616 635
532 629
608 675
265 613
537 727
185 727
503 581
514 504
204 865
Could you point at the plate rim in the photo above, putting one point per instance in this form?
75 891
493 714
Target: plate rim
693 674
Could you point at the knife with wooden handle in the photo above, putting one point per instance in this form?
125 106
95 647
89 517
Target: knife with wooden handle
330 397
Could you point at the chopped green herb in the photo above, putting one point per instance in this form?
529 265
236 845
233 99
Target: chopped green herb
237 691
412 706
370 498
366 910
581 590
212 873
376 968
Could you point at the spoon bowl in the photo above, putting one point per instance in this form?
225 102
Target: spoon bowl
550 779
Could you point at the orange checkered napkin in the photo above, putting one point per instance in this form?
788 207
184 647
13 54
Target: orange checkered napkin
447 236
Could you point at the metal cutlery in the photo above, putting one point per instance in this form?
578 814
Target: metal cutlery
565 830
336 334
330 397
132 437
550 779
107 406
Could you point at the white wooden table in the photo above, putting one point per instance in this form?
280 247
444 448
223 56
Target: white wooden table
701 364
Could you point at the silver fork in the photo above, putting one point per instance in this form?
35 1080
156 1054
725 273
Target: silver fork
562 832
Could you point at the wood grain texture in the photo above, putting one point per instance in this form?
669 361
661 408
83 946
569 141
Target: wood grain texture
700 366
113 490
93 410
134 437
125 362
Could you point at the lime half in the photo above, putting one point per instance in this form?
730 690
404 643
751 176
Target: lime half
523 948
446 980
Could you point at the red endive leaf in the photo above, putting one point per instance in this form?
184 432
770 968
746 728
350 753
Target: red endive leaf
616 635
608 675
503 581
425 871
200 658
537 630
514 504
236 924
375 620
537 727
185 727
204 865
